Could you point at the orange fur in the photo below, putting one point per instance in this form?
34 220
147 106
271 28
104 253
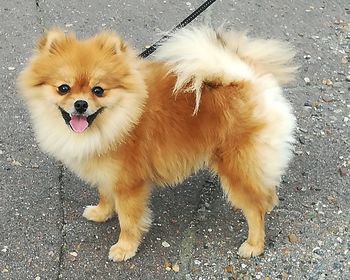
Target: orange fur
147 135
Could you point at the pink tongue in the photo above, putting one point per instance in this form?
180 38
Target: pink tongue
78 123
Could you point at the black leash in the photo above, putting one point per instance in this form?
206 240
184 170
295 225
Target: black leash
183 23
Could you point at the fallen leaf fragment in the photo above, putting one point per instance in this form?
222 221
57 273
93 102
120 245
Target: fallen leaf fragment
168 265
229 269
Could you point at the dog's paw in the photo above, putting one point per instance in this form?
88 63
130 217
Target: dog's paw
121 252
247 250
97 214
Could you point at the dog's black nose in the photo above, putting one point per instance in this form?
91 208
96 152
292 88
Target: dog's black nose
81 106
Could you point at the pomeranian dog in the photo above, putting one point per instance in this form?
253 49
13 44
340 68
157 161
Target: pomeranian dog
212 98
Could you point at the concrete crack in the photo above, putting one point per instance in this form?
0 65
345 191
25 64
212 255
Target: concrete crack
209 185
39 14
63 220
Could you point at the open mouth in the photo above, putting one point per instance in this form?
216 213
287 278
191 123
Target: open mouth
79 122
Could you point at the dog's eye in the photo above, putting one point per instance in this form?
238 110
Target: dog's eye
63 89
98 91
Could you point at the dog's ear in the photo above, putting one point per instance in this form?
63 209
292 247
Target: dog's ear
111 41
50 40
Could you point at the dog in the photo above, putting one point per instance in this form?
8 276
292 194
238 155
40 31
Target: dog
210 98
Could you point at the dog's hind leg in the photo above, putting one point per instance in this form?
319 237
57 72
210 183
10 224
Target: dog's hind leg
239 173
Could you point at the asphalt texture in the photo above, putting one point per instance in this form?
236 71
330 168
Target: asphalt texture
195 233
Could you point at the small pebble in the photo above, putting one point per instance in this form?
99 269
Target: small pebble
51 253
327 98
11 68
327 82
347 78
343 171
344 60
197 262
308 103
293 238
74 254
303 129
175 267
285 251
16 163
284 275
307 81
165 244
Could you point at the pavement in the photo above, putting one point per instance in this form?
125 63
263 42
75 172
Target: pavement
195 233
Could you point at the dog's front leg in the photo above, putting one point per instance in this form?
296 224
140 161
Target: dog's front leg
131 204
104 209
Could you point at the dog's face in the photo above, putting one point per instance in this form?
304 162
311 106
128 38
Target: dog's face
93 87
81 78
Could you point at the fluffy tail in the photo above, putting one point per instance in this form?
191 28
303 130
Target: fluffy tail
203 54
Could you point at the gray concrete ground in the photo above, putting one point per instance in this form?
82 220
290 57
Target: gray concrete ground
44 236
